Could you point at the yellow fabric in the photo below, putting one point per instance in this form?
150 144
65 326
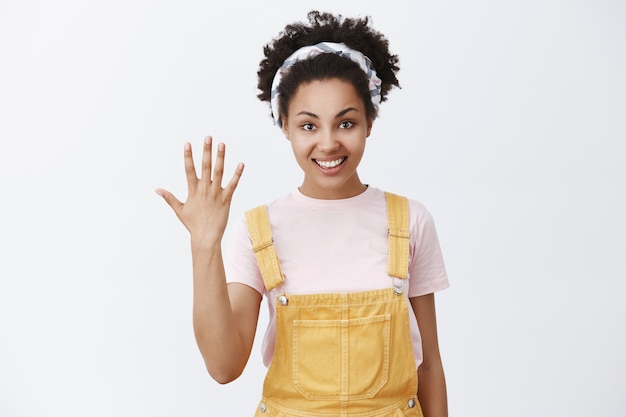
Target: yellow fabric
342 355
263 246
398 218
346 354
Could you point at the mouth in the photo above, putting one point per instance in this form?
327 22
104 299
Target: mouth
329 164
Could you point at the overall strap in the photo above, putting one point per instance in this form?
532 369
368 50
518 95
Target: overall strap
263 246
398 221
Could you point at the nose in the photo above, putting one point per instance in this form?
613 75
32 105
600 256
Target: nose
327 141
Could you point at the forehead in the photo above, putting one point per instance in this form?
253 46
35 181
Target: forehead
328 94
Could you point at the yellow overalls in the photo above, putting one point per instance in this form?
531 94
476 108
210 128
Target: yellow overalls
345 354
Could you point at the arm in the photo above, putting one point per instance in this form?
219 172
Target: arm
224 317
431 379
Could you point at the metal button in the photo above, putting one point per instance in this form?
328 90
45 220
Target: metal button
412 403
283 300
263 408
398 290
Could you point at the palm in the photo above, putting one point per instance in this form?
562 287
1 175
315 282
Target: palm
205 212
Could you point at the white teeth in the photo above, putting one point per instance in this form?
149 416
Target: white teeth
329 164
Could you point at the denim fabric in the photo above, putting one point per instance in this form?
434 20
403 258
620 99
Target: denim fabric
348 354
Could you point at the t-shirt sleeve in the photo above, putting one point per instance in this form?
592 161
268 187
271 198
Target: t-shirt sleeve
240 264
427 272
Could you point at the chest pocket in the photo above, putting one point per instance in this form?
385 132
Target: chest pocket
340 359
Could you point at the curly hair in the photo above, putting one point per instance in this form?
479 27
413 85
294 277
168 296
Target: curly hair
356 33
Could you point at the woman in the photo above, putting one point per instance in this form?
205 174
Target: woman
349 271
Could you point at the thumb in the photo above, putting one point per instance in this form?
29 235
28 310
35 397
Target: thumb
169 198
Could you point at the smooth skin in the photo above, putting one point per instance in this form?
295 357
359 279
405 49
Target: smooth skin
327 123
431 392
327 127
224 316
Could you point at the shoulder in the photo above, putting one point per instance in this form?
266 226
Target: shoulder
417 211
279 204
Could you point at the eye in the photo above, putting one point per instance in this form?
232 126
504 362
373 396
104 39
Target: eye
308 127
346 124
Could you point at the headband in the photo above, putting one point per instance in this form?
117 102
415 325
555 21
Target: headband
341 49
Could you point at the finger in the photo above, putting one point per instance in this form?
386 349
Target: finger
232 184
190 169
218 171
169 198
207 155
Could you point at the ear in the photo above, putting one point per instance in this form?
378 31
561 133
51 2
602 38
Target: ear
283 122
370 123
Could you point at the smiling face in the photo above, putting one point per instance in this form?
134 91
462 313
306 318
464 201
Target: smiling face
327 126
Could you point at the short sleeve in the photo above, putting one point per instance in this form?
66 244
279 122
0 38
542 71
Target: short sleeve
427 272
241 265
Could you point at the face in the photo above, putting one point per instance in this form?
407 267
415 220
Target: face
327 127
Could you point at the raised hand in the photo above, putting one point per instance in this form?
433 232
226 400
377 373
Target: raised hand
205 212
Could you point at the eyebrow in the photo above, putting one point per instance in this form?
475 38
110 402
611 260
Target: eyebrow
341 113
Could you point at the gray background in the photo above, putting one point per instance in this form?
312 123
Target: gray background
510 127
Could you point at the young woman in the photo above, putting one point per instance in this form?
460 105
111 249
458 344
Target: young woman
348 270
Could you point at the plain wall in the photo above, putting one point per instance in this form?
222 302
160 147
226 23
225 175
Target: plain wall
510 127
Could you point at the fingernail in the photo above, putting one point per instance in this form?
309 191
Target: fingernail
207 140
187 146
221 147
159 192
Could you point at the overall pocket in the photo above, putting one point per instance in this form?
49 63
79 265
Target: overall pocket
334 359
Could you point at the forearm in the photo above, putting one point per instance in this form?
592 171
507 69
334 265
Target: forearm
224 321
432 391
215 327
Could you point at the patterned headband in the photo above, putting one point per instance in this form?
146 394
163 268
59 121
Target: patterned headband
307 52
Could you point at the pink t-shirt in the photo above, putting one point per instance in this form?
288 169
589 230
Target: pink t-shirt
335 246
